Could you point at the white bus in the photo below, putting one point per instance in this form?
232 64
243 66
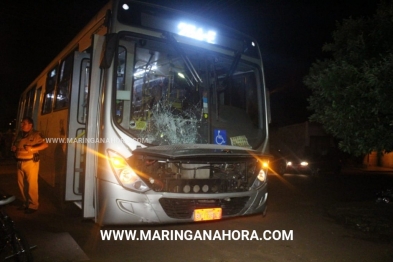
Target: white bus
154 116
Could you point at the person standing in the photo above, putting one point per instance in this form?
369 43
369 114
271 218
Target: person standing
26 147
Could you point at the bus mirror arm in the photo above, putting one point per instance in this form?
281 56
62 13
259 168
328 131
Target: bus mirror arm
108 50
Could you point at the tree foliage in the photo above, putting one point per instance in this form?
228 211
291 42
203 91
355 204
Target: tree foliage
352 92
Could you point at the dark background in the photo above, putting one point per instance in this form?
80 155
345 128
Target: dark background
291 35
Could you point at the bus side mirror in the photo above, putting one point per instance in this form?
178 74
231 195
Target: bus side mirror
108 51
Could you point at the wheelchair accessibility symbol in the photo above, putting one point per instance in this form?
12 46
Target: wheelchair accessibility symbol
220 136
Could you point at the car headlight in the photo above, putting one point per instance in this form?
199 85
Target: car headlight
127 177
289 163
304 163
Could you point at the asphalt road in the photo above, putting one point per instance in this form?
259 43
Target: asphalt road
296 227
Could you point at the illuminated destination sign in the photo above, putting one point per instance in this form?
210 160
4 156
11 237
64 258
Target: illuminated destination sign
198 33
168 20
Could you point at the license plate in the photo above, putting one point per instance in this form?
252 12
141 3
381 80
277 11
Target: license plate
207 214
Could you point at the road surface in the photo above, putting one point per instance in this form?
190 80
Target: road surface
296 228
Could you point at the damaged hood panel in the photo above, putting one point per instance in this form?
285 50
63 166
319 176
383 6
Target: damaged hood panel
200 151
202 168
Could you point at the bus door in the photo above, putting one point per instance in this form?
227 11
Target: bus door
76 148
84 116
92 127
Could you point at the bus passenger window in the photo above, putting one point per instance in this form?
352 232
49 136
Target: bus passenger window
120 84
63 89
49 92
83 91
47 105
28 111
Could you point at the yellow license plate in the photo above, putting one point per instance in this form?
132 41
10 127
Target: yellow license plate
207 214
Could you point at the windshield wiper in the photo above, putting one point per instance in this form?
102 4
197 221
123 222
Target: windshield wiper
185 58
234 64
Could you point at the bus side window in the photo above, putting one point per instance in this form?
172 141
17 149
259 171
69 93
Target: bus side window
63 89
83 91
28 110
125 56
49 91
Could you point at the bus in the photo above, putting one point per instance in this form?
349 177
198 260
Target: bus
153 115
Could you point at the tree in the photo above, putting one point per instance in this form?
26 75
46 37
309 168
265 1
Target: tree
352 92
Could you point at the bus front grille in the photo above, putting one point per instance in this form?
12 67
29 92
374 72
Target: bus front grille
184 208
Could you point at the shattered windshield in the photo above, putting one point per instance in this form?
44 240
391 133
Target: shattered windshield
166 95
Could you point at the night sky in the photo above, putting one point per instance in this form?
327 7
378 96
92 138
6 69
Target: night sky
291 35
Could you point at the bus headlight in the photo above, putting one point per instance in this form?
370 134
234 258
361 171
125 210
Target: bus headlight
262 175
261 178
127 177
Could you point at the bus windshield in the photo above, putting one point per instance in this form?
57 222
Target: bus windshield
170 93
